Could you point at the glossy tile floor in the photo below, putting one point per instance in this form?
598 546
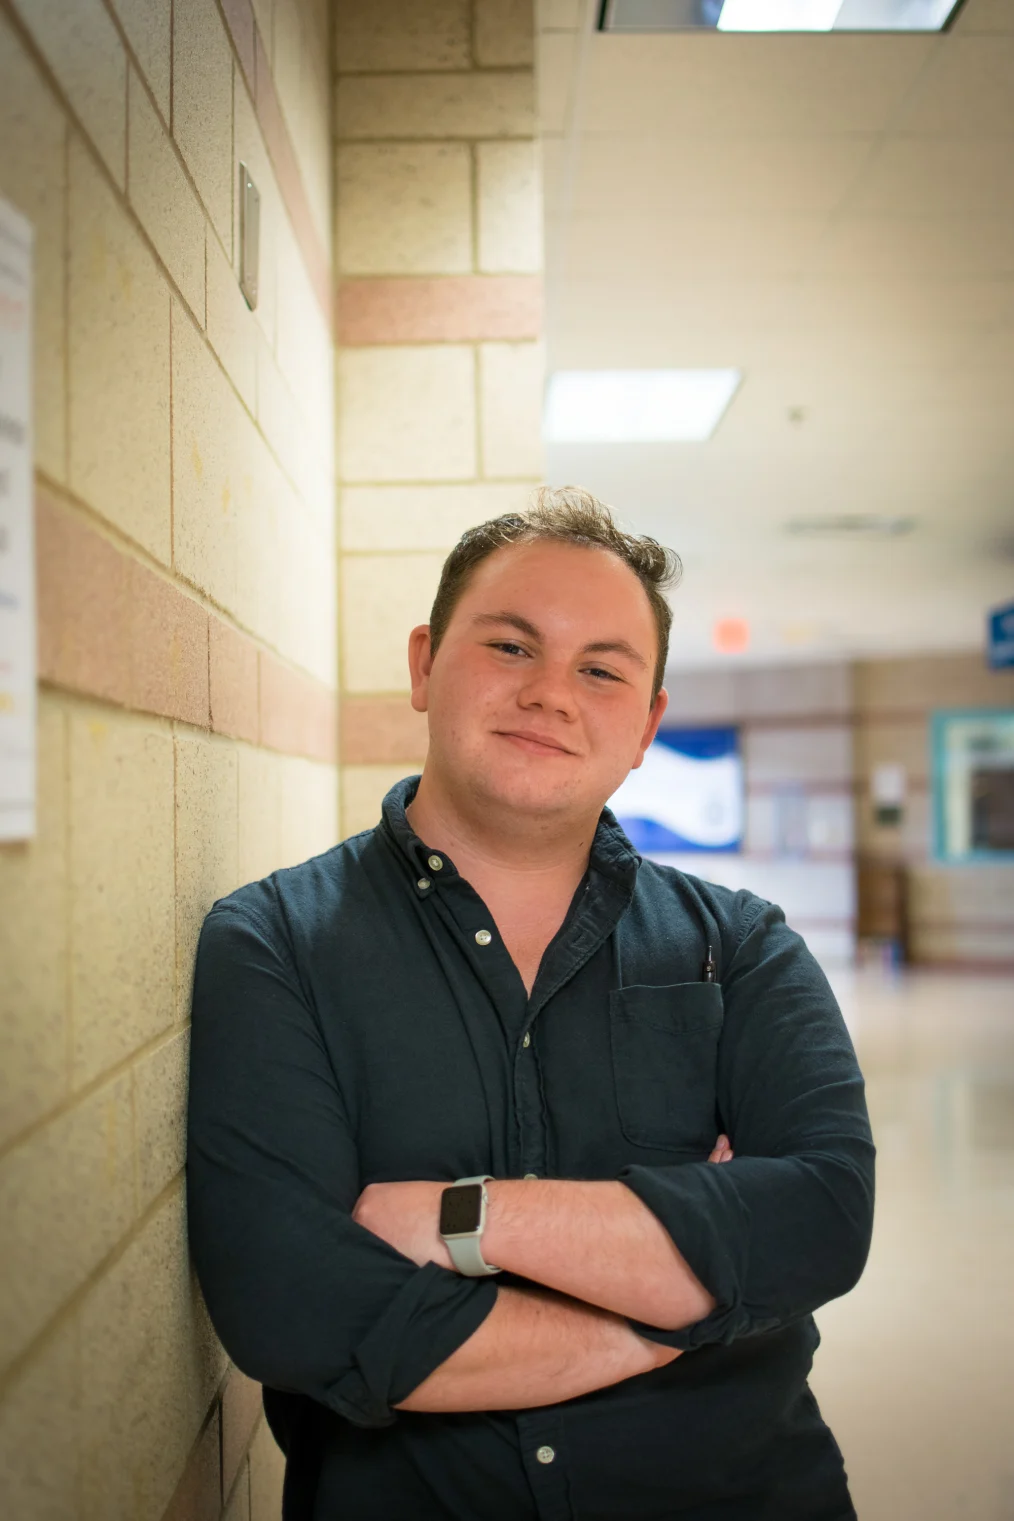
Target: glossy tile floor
916 1371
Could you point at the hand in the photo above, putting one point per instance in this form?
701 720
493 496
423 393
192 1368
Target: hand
723 1151
660 1356
407 1217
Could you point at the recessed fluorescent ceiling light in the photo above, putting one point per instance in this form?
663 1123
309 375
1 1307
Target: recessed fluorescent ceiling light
636 406
776 15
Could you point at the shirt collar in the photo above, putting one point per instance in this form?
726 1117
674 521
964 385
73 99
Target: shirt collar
611 853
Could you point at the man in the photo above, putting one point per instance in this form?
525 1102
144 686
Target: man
491 986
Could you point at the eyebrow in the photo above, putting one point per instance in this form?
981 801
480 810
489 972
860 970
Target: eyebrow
598 647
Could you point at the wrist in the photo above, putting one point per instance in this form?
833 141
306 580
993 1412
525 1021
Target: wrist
525 1217
503 1216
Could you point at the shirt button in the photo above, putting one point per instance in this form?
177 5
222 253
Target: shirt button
527 1040
482 937
531 1177
545 1454
423 883
435 863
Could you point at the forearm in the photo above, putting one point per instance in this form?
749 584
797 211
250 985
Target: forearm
535 1348
775 1239
596 1242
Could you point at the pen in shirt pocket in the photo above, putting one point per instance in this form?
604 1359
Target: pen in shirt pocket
709 970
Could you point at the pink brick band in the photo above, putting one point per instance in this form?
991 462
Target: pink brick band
439 309
113 628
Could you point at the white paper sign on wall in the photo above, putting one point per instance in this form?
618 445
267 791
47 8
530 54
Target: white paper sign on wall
17 538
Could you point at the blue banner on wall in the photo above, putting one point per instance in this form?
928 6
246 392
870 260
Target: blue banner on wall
1000 637
687 794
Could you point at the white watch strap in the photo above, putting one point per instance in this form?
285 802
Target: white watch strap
466 1254
466 1251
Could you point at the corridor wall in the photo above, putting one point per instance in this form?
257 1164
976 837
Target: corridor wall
795 727
439 253
187 736
959 915
811 736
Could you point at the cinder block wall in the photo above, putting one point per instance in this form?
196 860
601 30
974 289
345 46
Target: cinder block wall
957 914
438 253
187 735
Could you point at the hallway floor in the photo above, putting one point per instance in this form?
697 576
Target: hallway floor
916 1371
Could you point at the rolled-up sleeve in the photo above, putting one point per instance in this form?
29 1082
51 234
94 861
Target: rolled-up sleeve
786 1225
303 1298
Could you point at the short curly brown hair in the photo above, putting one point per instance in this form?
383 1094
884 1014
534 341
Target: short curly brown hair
567 515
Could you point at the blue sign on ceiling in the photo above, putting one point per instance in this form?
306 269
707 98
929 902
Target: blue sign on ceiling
1000 636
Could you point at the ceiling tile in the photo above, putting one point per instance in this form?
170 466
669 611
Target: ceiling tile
834 216
692 83
556 157
681 245
925 176
965 89
717 176
558 15
647 322
554 79
917 246
901 305
984 16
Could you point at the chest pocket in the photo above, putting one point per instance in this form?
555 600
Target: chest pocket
665 1058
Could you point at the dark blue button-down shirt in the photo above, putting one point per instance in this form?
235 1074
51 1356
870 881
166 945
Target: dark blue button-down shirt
350 1027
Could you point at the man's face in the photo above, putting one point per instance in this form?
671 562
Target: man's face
539 696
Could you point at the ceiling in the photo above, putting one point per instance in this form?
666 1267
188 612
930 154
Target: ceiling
833 215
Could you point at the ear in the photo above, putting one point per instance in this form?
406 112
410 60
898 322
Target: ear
420 663
658 707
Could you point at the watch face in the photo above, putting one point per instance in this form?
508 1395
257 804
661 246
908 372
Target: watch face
460 1209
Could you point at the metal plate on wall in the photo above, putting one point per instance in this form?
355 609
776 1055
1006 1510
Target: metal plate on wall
17 536
249 237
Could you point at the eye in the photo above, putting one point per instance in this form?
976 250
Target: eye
508 647
598 672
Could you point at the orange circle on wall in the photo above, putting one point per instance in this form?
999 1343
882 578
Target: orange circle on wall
731 635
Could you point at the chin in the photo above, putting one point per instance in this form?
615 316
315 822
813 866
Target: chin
527 791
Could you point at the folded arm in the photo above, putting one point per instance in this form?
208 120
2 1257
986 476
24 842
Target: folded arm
594 1241
787 1226
304 1297
536 1348
597 1242
691 1253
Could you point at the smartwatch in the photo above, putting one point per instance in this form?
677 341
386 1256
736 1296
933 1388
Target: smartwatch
462 1222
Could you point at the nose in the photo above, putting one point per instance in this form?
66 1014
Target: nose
549 688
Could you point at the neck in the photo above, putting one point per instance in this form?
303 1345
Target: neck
485 841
